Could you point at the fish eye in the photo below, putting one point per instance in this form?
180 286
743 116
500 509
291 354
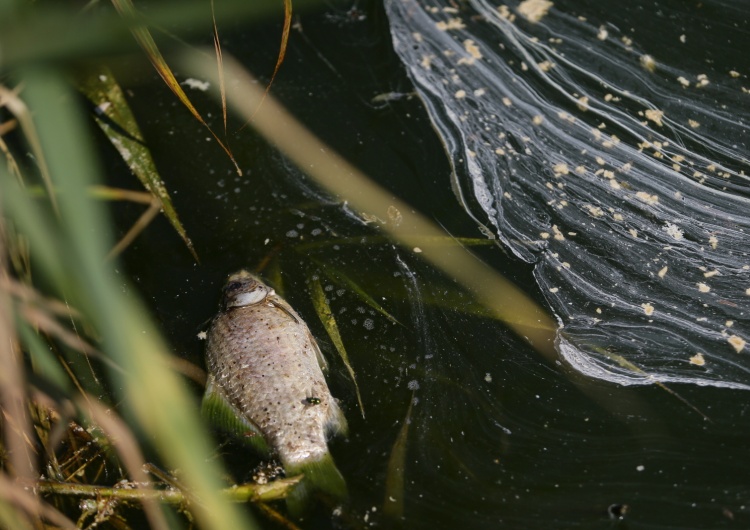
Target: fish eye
253 295
233 286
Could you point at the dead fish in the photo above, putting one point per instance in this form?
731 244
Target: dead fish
266 384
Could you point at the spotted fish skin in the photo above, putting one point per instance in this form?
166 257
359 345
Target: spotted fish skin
265 366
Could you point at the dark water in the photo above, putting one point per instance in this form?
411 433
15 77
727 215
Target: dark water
497 435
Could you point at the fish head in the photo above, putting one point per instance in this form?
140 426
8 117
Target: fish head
244 289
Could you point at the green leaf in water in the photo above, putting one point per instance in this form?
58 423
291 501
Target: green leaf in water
338 276
114 117
329 321
393 504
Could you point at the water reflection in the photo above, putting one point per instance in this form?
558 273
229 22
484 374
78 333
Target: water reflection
599 146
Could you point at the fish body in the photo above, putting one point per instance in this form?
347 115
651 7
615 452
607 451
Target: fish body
266 383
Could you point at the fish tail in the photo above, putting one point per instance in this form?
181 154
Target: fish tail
321 477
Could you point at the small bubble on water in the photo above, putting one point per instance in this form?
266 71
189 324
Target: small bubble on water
292 233
316 231
368 323
413 385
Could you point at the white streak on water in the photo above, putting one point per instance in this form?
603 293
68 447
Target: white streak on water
603 169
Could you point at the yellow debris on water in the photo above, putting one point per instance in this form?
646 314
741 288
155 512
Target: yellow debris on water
534 10
698 359
738 343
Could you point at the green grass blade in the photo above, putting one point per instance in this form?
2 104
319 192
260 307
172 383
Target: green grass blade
393 504
114 117
340 277
329 322
18 108
43 362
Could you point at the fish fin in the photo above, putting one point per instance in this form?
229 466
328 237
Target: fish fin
321 477
336 421
217 408
322 362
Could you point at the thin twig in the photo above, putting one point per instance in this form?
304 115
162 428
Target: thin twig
142 222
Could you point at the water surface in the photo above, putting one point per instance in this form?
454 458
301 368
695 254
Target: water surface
496 435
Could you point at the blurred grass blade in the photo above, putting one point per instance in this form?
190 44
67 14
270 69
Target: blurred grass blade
146 41
114 117
329 322
339 276
393 504
10 516
17 424
152 394
27 501
43 362
10 100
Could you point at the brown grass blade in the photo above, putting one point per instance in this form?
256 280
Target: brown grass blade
279 59
13 382
220 65
146 41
